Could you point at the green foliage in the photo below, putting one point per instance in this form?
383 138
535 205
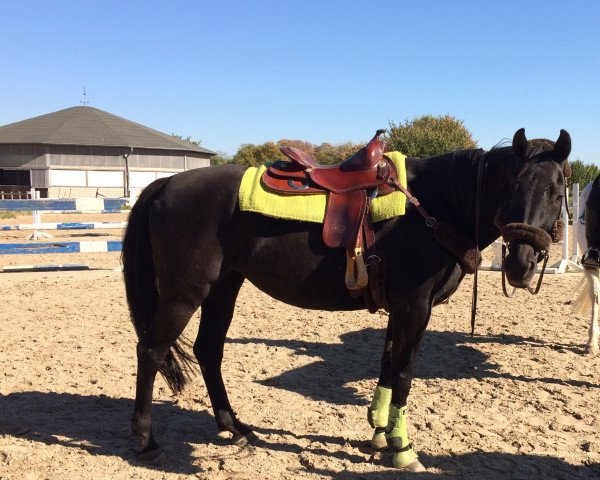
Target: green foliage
300 144
429 135
220 159
253 155
329 154
187 139
582 173
4 214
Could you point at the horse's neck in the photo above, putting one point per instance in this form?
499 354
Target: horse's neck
446 186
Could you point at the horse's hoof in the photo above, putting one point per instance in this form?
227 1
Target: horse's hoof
244 440
408 460
379 442
149 453
591 350
415 467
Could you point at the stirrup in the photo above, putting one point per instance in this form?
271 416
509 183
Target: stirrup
591 258
357 277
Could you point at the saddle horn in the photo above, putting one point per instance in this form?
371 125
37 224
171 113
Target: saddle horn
373 152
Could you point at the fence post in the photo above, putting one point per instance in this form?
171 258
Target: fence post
565 216
37 219
575 223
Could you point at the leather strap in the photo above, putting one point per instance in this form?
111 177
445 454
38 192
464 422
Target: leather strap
429 220
480 171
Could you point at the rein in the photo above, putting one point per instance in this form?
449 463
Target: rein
480 172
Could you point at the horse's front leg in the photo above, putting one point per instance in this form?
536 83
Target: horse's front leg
379 410
389 407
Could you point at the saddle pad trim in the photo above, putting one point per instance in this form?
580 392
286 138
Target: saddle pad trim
253 197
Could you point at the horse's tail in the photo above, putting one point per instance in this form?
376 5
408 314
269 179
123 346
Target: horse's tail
140 284
587 291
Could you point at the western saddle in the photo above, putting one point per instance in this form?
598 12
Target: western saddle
350 186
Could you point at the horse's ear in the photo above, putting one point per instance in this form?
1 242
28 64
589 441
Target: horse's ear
562 147
520 143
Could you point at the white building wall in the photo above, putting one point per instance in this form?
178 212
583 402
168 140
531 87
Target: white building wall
97 178
141 179
67 178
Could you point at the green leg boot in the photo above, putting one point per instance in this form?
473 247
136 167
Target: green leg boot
378 416
397 436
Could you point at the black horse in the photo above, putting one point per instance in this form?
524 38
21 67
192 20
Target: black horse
188 245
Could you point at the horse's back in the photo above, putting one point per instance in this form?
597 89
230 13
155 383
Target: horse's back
203 187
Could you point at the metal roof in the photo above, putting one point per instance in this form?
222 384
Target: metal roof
91 126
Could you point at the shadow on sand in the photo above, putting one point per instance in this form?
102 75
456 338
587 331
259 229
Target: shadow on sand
99 425
358 358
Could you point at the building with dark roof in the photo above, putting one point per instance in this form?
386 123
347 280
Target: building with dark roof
84 151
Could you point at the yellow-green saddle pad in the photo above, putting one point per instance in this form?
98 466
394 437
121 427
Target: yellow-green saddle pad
254 197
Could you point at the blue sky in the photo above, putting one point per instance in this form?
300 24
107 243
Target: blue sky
234 72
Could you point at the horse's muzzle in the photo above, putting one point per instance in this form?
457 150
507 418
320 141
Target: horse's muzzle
521 264
527 245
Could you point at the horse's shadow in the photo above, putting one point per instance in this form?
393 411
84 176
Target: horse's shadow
99 425
358 358
478 465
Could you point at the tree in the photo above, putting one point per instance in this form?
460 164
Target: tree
429 135
221 158
329 154
187 139
300 144
582 174
254 155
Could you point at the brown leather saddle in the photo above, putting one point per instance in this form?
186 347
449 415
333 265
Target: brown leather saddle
350 186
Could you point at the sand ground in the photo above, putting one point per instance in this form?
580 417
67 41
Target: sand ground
519 400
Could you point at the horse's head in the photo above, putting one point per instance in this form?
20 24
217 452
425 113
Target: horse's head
529 220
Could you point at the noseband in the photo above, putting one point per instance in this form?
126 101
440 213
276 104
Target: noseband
534 236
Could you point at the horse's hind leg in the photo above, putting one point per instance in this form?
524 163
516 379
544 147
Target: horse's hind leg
153 354
217 312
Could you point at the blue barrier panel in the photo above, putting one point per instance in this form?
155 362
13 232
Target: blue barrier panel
108 205
74 226
64 226
60 247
